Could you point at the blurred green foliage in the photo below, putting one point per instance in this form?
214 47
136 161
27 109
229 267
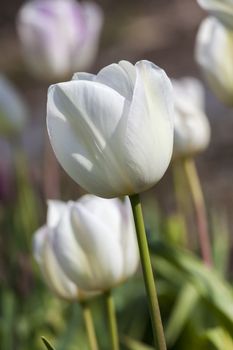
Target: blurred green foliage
196 302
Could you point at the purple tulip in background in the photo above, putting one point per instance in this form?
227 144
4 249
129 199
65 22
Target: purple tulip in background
59 37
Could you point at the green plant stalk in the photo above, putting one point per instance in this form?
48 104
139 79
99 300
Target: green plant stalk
112 320
199 204
156 321
90 329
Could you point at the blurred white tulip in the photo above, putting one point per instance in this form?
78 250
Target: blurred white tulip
13 110
192 129
95 242
59 36
113 132
221 9
53 274
214 54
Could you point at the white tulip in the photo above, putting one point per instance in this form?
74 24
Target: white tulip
113 132
59 36
13 110
53 274
214 54
95 243
192 129
221 9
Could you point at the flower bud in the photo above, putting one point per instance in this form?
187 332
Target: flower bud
59 36
192 129
214 54
117 126
221 9
13 110
95 243
53 274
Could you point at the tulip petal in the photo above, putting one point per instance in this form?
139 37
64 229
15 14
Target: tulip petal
93 20
52 272
99 244
84 120
83 76
55 211
117 78
38 243
149 134
221 9
214 41
68 252
130 71
106 210
128 239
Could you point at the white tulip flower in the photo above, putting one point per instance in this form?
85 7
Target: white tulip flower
53 274
214 54
13 110
59 36
113 132
192 129
95 243
221 9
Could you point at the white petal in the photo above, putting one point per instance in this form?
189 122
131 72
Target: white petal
190 91
93 22
53 274
215 41
102 247
222 9
55 211
106 210
129 240
149 134
68 252
84 124
192 130
38 243
130 70
51 33
83 76
116 77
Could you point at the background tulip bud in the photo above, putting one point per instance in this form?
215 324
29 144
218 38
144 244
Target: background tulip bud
214 54
118 127
192 129
13 110
53 273
95 242
221 9
59 36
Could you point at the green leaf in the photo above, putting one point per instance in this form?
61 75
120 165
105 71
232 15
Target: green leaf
47 344
219 338
216 292
181 313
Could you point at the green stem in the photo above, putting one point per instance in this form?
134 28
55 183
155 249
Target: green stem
156 321
90 329
199 204
112 320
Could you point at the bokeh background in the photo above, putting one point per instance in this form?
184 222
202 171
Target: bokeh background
162 31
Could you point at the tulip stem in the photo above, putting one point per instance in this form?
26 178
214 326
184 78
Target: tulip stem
156 321
112 320
200 208
89 324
